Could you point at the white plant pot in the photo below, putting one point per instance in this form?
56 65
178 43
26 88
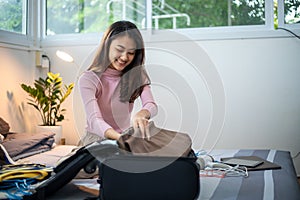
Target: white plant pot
54 129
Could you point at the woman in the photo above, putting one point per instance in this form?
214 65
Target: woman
115 79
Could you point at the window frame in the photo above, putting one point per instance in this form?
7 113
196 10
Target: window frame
197 34
281 18
36 37
23 41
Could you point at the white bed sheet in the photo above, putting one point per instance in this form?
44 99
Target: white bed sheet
49 158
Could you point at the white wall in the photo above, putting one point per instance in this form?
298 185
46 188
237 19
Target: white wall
226 93
16 67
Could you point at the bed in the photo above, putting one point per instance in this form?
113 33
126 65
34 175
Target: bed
37 148
264 184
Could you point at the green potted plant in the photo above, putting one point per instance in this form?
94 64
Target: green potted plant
47 96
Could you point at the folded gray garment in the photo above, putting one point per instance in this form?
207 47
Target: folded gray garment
20 145
162 142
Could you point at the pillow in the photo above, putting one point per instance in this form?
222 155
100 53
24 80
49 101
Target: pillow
4 127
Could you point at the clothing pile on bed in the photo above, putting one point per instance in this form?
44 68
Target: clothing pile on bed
21 145
15 179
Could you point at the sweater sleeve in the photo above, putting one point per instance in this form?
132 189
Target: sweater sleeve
90 87
148 102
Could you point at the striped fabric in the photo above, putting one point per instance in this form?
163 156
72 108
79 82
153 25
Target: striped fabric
259 185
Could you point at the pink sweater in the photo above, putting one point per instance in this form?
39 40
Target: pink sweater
104 110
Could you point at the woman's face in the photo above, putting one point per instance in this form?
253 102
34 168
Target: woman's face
121 52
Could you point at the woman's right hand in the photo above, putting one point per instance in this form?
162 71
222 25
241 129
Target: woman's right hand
112 134
141 123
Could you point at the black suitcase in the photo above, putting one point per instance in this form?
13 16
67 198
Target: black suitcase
129 177
126 176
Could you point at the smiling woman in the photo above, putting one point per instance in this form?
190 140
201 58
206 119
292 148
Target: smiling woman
115 79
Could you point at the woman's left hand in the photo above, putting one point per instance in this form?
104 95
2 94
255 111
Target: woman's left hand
141 121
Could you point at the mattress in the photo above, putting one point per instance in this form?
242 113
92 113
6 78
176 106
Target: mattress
265 184
275 184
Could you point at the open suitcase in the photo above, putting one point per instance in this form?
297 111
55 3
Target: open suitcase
125 175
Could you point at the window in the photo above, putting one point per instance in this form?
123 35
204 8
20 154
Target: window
90 16
13 16
39 22
287 14
207 13
291 11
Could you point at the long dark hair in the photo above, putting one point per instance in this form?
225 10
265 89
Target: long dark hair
134 76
